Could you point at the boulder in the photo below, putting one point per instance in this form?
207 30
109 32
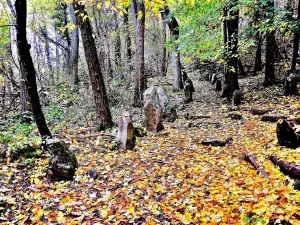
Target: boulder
237 97
290 85
26 117
149 95
153 114
62 162
286 135
126 137
158 96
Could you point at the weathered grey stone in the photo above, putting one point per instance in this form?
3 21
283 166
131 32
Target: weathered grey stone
62 162
153 117
126 137
237 97
149 95
188 91
26 117
159 97
163 99
290 85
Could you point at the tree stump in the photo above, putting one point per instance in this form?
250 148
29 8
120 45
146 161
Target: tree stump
126 137
153 114
62 162
218 85
290 85
286 135
237 97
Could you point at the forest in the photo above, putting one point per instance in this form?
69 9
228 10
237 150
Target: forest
150 112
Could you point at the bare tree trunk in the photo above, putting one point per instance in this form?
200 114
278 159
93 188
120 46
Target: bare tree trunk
28 69
74 51
101 101
140 81
231 35
270 48
118 39
257 66
127 42
296 43
174 35
24 97
164 51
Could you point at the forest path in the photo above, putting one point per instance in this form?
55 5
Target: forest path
170 177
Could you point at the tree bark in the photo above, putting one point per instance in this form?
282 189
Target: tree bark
296 43
127 41
73 61
174 35
257 66
101 101
140 80
270 48
118 39
164 51
28 69
231 35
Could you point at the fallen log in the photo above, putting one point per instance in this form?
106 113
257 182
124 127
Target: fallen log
216 143
270 118
287 168
251 158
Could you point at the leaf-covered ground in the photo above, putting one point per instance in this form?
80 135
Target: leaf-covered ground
169 178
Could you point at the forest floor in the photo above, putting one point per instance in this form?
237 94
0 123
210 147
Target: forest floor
170 177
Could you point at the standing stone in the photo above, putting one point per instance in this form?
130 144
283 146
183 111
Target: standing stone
159 97
188 91
153 114
126 137
290 85
237 97
163 99
218 85
62 162
149 95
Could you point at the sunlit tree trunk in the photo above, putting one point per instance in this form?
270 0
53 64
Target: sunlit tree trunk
128 52
174 35
28 69
140 80
74 51
104 118
231 43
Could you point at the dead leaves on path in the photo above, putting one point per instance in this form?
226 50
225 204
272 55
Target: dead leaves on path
169 178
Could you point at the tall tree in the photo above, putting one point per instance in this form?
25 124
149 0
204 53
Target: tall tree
138 11
103 114
24 97
74 51
128 52
231 23
28 69
270 45
174 35
296 41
